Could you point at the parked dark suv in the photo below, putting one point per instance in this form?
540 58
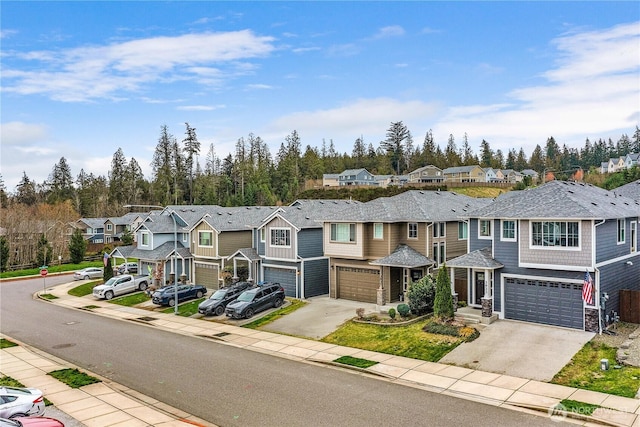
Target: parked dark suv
218 301
254 300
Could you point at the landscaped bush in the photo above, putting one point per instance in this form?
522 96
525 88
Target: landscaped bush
468 333
421 295
360 313
392 313
441 328
404 310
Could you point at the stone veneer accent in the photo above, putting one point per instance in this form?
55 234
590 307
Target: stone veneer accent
455 301
487 307
380 300
591 323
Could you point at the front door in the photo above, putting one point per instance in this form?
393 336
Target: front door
479 287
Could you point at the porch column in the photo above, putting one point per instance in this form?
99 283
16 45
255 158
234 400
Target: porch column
250 268
380 296
487 302
235 268
454 294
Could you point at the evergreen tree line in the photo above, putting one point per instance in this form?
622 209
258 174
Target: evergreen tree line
253 176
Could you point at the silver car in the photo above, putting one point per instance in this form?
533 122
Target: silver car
20 402
88 273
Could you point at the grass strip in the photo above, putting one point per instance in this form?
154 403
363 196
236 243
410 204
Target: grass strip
82 290
355 361
73 377
131 299
187 309
275 315
576 407
48 296
5 343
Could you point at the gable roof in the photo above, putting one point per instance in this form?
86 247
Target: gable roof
630 190
93 222
460 169
404 256
306 213
127 218
412 205
560 200
354 171
237 218
476 259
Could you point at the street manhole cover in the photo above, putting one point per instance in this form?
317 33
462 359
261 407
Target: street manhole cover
59 346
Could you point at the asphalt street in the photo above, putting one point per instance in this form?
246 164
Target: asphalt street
226 385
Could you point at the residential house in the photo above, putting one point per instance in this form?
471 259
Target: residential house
290 247
356 177
616 164
530 251
490 175
511 176
426 175
92 229
330 179
630 190
464 174
378 248
115 227
631 160
604 167
532 174
225 237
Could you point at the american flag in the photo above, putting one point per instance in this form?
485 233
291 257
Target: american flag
105 259
587 289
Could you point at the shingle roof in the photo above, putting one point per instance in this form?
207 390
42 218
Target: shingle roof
307 213
413 205
353 171
93 222
238 218
458 169
162 252
127 218
247 253
630 190
476 259
404 256
562 200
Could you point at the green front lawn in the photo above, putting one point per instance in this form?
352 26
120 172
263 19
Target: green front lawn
131 299
275 315
53 269
84 289
408 341
583 371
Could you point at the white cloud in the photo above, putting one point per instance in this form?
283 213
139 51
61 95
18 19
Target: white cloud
21 133
93 72
390 31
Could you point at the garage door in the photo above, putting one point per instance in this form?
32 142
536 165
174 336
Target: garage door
358 284
540 301
286 277
207 275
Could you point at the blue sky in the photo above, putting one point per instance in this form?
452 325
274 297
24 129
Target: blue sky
81 79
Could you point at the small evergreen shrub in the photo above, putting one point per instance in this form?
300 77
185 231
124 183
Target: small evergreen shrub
360 312
392 313
441 328
421 295
404 310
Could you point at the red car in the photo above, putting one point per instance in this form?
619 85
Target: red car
30 422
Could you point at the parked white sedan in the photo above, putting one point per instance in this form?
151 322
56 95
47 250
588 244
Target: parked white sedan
20 402
88 273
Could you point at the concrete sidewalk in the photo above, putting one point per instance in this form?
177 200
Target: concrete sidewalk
490 388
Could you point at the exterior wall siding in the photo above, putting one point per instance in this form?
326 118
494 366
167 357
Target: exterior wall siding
455 246
316 277
419 244
553 257
349 250
280 252
310 243
377 248
617 276
607 241
231 241
474 242
198 250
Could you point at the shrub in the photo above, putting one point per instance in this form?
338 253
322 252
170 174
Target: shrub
468 333
404 310
441 328
392 313
360 313
421 295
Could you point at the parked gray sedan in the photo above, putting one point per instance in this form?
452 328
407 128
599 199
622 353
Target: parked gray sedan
88 273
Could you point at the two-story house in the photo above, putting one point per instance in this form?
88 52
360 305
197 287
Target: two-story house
376 249
356 177
490 175
429 174
531 252
631 160
92 229
512 176
115 227
464 174
330 179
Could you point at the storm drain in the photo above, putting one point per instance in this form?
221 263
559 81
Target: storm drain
146 319
221 334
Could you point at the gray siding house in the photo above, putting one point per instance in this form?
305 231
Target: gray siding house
531 251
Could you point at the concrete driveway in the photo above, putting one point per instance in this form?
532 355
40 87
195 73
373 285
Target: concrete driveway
321 316
520 349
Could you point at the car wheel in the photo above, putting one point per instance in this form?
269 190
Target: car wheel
18 415
143 286
86 277
172 302
277 303
219 310
248 314
199 294
108 295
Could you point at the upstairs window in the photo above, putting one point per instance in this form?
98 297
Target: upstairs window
439 229
378 230
484 229
145 238
508 230
280 237
205 238
463 230
621 231
562 234
342 232
413 230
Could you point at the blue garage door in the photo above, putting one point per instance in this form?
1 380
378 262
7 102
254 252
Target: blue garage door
286 277
541 301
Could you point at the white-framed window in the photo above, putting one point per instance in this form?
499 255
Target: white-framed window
109 227
205 239
412 228
145 238
185 237
463 230
561 234
621 231
439 229
508 233
280 237
633 236
484 228
263 234
378 230
343 232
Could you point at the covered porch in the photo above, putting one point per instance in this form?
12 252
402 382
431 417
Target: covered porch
251 258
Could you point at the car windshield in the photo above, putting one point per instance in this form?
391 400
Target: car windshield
219 294
246 296
111 281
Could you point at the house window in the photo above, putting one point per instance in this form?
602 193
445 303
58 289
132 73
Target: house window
563 234
485 228
280 237
377 230
632 236
109 227
621 230
508 230
343 232
439 253
263 234
205 238
413 230
145 238
438 229
463 230
185 237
